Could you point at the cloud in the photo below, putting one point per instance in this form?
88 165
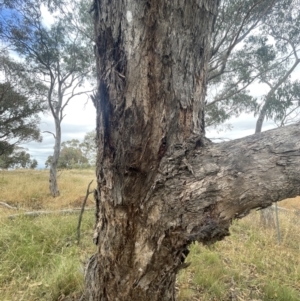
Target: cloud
241 126
80 119
47 18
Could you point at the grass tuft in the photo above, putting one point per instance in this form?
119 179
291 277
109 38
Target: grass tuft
40 257
248 265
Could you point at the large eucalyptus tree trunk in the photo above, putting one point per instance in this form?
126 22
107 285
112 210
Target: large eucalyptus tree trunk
161 183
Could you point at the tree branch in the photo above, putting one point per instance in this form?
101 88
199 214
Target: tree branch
263 111
236 39
206 189
8 206
50 133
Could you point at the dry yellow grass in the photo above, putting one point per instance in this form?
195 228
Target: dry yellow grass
29 189
292 203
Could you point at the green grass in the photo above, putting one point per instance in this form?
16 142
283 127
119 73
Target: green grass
248 265
40 259
273 290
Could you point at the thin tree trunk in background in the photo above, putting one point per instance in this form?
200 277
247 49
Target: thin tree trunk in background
261 118
53 186
88 192
160 183
267 218
277 224
266 215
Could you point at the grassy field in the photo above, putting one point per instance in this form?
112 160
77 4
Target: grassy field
40 258
29 189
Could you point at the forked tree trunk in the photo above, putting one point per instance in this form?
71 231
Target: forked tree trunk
161 183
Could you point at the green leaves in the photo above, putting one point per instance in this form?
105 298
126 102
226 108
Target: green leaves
18 158
21 100
76 154
18 119
254 42
57 52
283 107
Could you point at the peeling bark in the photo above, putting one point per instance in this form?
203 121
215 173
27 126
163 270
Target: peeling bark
161 183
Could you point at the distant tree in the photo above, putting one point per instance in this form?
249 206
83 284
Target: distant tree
19 122
88 147
286 102
33 164
21 99
19 158
77 13
56 53
71 156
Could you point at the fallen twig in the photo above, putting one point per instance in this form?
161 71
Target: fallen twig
8 206
38 213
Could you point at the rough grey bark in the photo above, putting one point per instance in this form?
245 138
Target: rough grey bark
161 183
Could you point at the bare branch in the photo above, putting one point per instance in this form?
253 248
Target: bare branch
50 133
8 206
88 192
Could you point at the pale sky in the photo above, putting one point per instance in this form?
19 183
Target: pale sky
80 119
244 125
241 126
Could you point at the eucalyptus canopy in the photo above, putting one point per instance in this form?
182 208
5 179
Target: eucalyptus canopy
21 100
76 154
255 41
